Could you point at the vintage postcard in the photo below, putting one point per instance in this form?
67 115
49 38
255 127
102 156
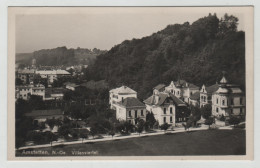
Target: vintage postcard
139 83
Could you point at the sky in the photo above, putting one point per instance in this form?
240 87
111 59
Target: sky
100 27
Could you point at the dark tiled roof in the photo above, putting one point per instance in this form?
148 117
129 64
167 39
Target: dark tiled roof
160 86
162 98
192 86
177 101
195 96
102 84
184 84
212 88
36 113
131 102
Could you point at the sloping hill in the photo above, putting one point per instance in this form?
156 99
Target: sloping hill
196 52
60 56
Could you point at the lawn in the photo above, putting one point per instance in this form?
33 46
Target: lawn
207 142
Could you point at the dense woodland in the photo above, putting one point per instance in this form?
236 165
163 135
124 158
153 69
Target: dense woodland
197 52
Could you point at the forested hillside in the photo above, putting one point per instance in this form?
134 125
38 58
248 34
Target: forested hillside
196 52
60 56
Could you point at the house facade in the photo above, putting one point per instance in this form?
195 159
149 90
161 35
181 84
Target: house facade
228 100
52 75
182 89
24 92
26 75
206 94
166 108
119 94
130 109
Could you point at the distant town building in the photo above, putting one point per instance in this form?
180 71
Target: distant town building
130 109
206 94
24 92
52 75
34 63
166 107
39 116
95 85
228 100
26 75
119 94
54 93
71 86
182 89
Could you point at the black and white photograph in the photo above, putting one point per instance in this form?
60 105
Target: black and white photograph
130 81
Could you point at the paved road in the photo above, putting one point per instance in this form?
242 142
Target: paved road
133 135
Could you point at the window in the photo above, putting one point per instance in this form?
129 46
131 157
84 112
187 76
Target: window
129 121
172 91
178 92
142 113
164 110
190 93
217 110
122 99
241 110
135 113
129 113
204 98
231 101
180 119
171 110
223 102
217 101
164 119
171 119
241 100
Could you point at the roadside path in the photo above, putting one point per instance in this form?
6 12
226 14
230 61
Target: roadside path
118 137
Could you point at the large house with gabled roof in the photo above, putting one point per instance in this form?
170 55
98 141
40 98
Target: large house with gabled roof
130 109
119 94
182 89
166 107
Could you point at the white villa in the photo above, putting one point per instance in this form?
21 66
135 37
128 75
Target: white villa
165 107
119 94
52 75
130 109
228 100
24 92
182 89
